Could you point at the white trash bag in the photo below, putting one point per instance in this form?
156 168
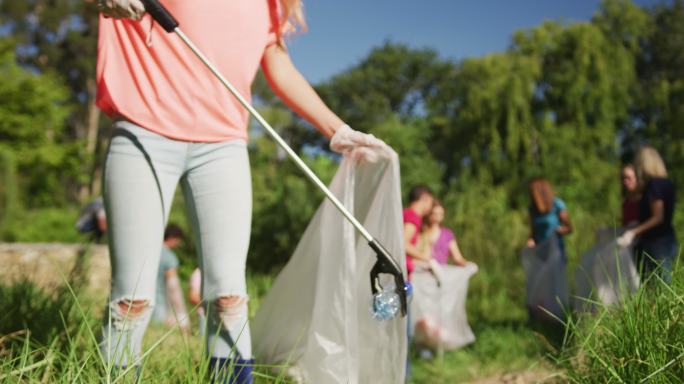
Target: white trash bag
546 283
607 273
438 311
316 320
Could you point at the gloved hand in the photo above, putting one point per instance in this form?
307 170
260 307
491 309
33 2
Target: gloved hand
359 146
122 9
626 239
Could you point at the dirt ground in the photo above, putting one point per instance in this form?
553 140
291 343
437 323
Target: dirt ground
49 264
524 377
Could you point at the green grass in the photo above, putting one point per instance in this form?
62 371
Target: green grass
49 335
639 341
499 349
63 348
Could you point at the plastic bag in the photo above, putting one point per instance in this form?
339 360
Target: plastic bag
607 273
317 317
438 311
546 283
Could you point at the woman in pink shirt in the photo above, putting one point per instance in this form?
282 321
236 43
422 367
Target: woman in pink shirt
175 124
442 239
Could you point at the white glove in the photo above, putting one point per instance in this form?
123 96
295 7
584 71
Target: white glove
626 239
122 9
359 146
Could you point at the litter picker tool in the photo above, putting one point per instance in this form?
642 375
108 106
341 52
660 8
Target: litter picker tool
385 264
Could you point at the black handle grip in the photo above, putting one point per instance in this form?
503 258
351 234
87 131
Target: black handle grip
161 15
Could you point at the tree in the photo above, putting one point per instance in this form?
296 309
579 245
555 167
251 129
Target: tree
661 74
33 108
60 37
392 81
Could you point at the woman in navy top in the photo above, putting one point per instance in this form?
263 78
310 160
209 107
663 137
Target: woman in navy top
656 244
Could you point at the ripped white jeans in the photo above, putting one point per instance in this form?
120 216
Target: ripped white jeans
142 171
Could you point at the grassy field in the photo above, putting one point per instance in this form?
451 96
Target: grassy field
49 335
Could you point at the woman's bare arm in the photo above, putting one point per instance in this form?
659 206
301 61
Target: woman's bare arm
291 86
412 250
455 253
565 227
657 217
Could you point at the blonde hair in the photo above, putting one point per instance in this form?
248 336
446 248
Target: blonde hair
291 18
648 164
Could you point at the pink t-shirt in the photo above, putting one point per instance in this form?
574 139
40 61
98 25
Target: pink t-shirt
149 77
410 216
440 249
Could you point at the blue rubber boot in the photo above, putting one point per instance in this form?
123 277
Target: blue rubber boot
231 371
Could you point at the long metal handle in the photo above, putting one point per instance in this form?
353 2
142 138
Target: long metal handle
385 263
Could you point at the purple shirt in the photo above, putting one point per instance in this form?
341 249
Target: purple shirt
440 250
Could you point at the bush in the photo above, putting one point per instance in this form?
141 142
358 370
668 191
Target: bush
44 225
641 340
9 199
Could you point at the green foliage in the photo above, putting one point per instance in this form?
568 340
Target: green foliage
392 80
284 202
9 201
33 108
661 73
50 334
42 225
497 291
499 348
61 35
410 139
640 340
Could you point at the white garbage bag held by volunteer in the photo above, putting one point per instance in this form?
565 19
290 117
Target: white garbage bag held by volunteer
316 321
544 258
546 284
607 273
438 309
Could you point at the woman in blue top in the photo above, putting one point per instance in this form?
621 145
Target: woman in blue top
548 215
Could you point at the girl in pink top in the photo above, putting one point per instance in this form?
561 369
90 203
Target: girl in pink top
442 239
175 124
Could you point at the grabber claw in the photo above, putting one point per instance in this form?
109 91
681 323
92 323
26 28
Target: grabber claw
386 264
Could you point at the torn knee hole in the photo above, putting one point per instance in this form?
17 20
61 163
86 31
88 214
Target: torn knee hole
127 314
231 308
133 307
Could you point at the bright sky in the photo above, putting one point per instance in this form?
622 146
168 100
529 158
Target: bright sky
342 32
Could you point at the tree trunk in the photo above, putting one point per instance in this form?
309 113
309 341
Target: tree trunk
92 135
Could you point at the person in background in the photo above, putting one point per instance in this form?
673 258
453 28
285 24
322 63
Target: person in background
548 215
441 239
420 205
93 219
195 297
656 244
169 308
631 195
